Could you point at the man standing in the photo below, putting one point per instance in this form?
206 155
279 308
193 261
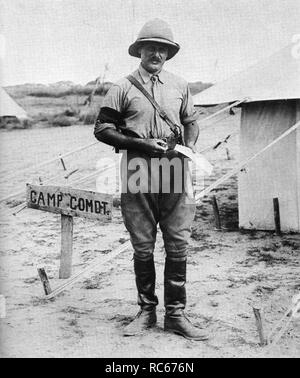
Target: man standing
129 121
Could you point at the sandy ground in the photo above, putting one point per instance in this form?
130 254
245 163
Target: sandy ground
228 271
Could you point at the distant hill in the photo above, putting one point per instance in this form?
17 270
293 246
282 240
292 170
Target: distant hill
58 89
63 84
93 82
105 86
22 90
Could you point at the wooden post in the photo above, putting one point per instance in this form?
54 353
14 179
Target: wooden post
45 281
276 216
228 154
259 325
66 246
216 213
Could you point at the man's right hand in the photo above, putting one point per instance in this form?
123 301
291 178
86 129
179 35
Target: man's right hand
154 147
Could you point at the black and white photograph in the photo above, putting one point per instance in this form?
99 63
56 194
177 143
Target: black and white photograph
149 181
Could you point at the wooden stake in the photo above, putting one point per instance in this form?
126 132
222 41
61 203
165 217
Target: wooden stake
228 154
216 213
276 216
66 246
259 325
63 164
45 281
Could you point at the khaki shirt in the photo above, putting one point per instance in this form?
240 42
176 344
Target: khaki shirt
170 91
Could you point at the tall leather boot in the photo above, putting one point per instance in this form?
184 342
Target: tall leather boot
175 300
147 300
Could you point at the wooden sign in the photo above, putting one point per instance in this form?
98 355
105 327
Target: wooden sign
71 202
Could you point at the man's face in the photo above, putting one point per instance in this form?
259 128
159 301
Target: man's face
153 56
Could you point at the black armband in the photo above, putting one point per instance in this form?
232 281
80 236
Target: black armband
109 115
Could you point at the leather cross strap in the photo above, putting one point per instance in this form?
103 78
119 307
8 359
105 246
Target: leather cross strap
175 128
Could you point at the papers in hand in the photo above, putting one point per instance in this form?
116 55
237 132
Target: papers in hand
200 161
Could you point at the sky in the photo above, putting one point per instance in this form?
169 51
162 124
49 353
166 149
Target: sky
45 41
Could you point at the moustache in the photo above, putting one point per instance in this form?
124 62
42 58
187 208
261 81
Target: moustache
156 60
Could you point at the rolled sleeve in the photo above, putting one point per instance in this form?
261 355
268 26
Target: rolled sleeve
188 113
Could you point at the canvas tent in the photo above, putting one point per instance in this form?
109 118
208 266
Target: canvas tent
272 90
9 108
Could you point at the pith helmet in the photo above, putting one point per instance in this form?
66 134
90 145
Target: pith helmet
155 30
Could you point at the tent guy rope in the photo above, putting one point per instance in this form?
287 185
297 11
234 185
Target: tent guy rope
47 162
126 245
236 103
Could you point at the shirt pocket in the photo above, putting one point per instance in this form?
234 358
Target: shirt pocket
140 106
173 100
